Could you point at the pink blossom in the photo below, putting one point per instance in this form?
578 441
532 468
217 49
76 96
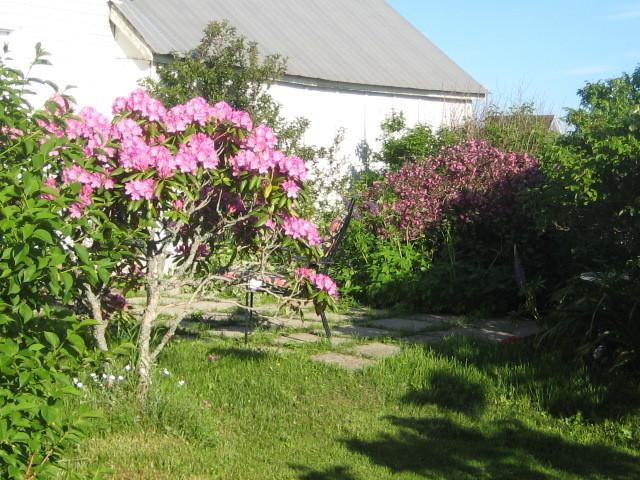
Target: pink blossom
319 280
138 189
248 161
51 183
261 139
241 119
326 284
301 228
291 188
85 195
202 149
76 210
12 133
293 166
221 111
126 128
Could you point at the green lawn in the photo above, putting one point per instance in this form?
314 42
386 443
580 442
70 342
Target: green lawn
460 410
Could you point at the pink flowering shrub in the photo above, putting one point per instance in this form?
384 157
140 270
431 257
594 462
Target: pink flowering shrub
184 184
319 280
467 183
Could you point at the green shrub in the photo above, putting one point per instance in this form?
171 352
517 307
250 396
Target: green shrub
402 144
41 341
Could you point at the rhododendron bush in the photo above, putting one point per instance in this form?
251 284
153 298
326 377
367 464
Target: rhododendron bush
438 234
468 183
184 184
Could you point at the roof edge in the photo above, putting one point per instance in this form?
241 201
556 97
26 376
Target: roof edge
324 84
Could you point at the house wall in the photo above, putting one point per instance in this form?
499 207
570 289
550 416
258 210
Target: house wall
360 114
78 35
80 38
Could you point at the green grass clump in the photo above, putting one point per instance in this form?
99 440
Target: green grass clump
458 410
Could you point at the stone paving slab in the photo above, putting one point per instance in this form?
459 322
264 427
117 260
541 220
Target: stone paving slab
298 338
406 325
521 328
227 332
376 350
356 331
350 362
492 330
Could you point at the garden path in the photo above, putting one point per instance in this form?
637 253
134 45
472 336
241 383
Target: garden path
359 338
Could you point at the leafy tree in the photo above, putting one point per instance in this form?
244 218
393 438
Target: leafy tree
193 188
402 144
227 66
595 175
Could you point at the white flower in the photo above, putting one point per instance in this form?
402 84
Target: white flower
165 372
143 371
104 376
254 284
181 383
127 368
79 385
93 375
75 381
120 378
87 242
112 378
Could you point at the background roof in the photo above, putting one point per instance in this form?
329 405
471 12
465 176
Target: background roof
362 42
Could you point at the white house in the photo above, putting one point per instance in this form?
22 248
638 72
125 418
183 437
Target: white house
350 62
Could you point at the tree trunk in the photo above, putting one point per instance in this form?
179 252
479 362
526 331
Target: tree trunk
100 329
154 274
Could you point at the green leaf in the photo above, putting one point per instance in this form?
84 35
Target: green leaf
43 235
83 253
52 338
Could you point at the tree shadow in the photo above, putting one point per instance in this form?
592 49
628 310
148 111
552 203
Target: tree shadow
504 450
238 353
452 392
332 473
549 378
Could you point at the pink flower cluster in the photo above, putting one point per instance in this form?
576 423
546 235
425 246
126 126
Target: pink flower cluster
300 228
469 182
90 181
12 133
319 280
139 189
261 139
199 150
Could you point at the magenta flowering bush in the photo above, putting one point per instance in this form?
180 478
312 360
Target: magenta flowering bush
467 183
318 280
170 188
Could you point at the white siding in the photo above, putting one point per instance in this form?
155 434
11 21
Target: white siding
84 53
360 114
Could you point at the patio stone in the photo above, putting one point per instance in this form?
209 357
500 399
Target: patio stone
376 350
406 325
349 362
228 332
298 338
357 331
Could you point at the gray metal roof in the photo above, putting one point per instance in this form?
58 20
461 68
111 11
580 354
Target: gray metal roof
363 42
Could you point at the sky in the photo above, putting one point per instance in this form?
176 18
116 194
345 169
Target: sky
537 50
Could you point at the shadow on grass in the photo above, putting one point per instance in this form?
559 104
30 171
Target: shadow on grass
333 473
549 378
452 392
238 353
503 450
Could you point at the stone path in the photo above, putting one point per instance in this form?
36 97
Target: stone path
224 319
